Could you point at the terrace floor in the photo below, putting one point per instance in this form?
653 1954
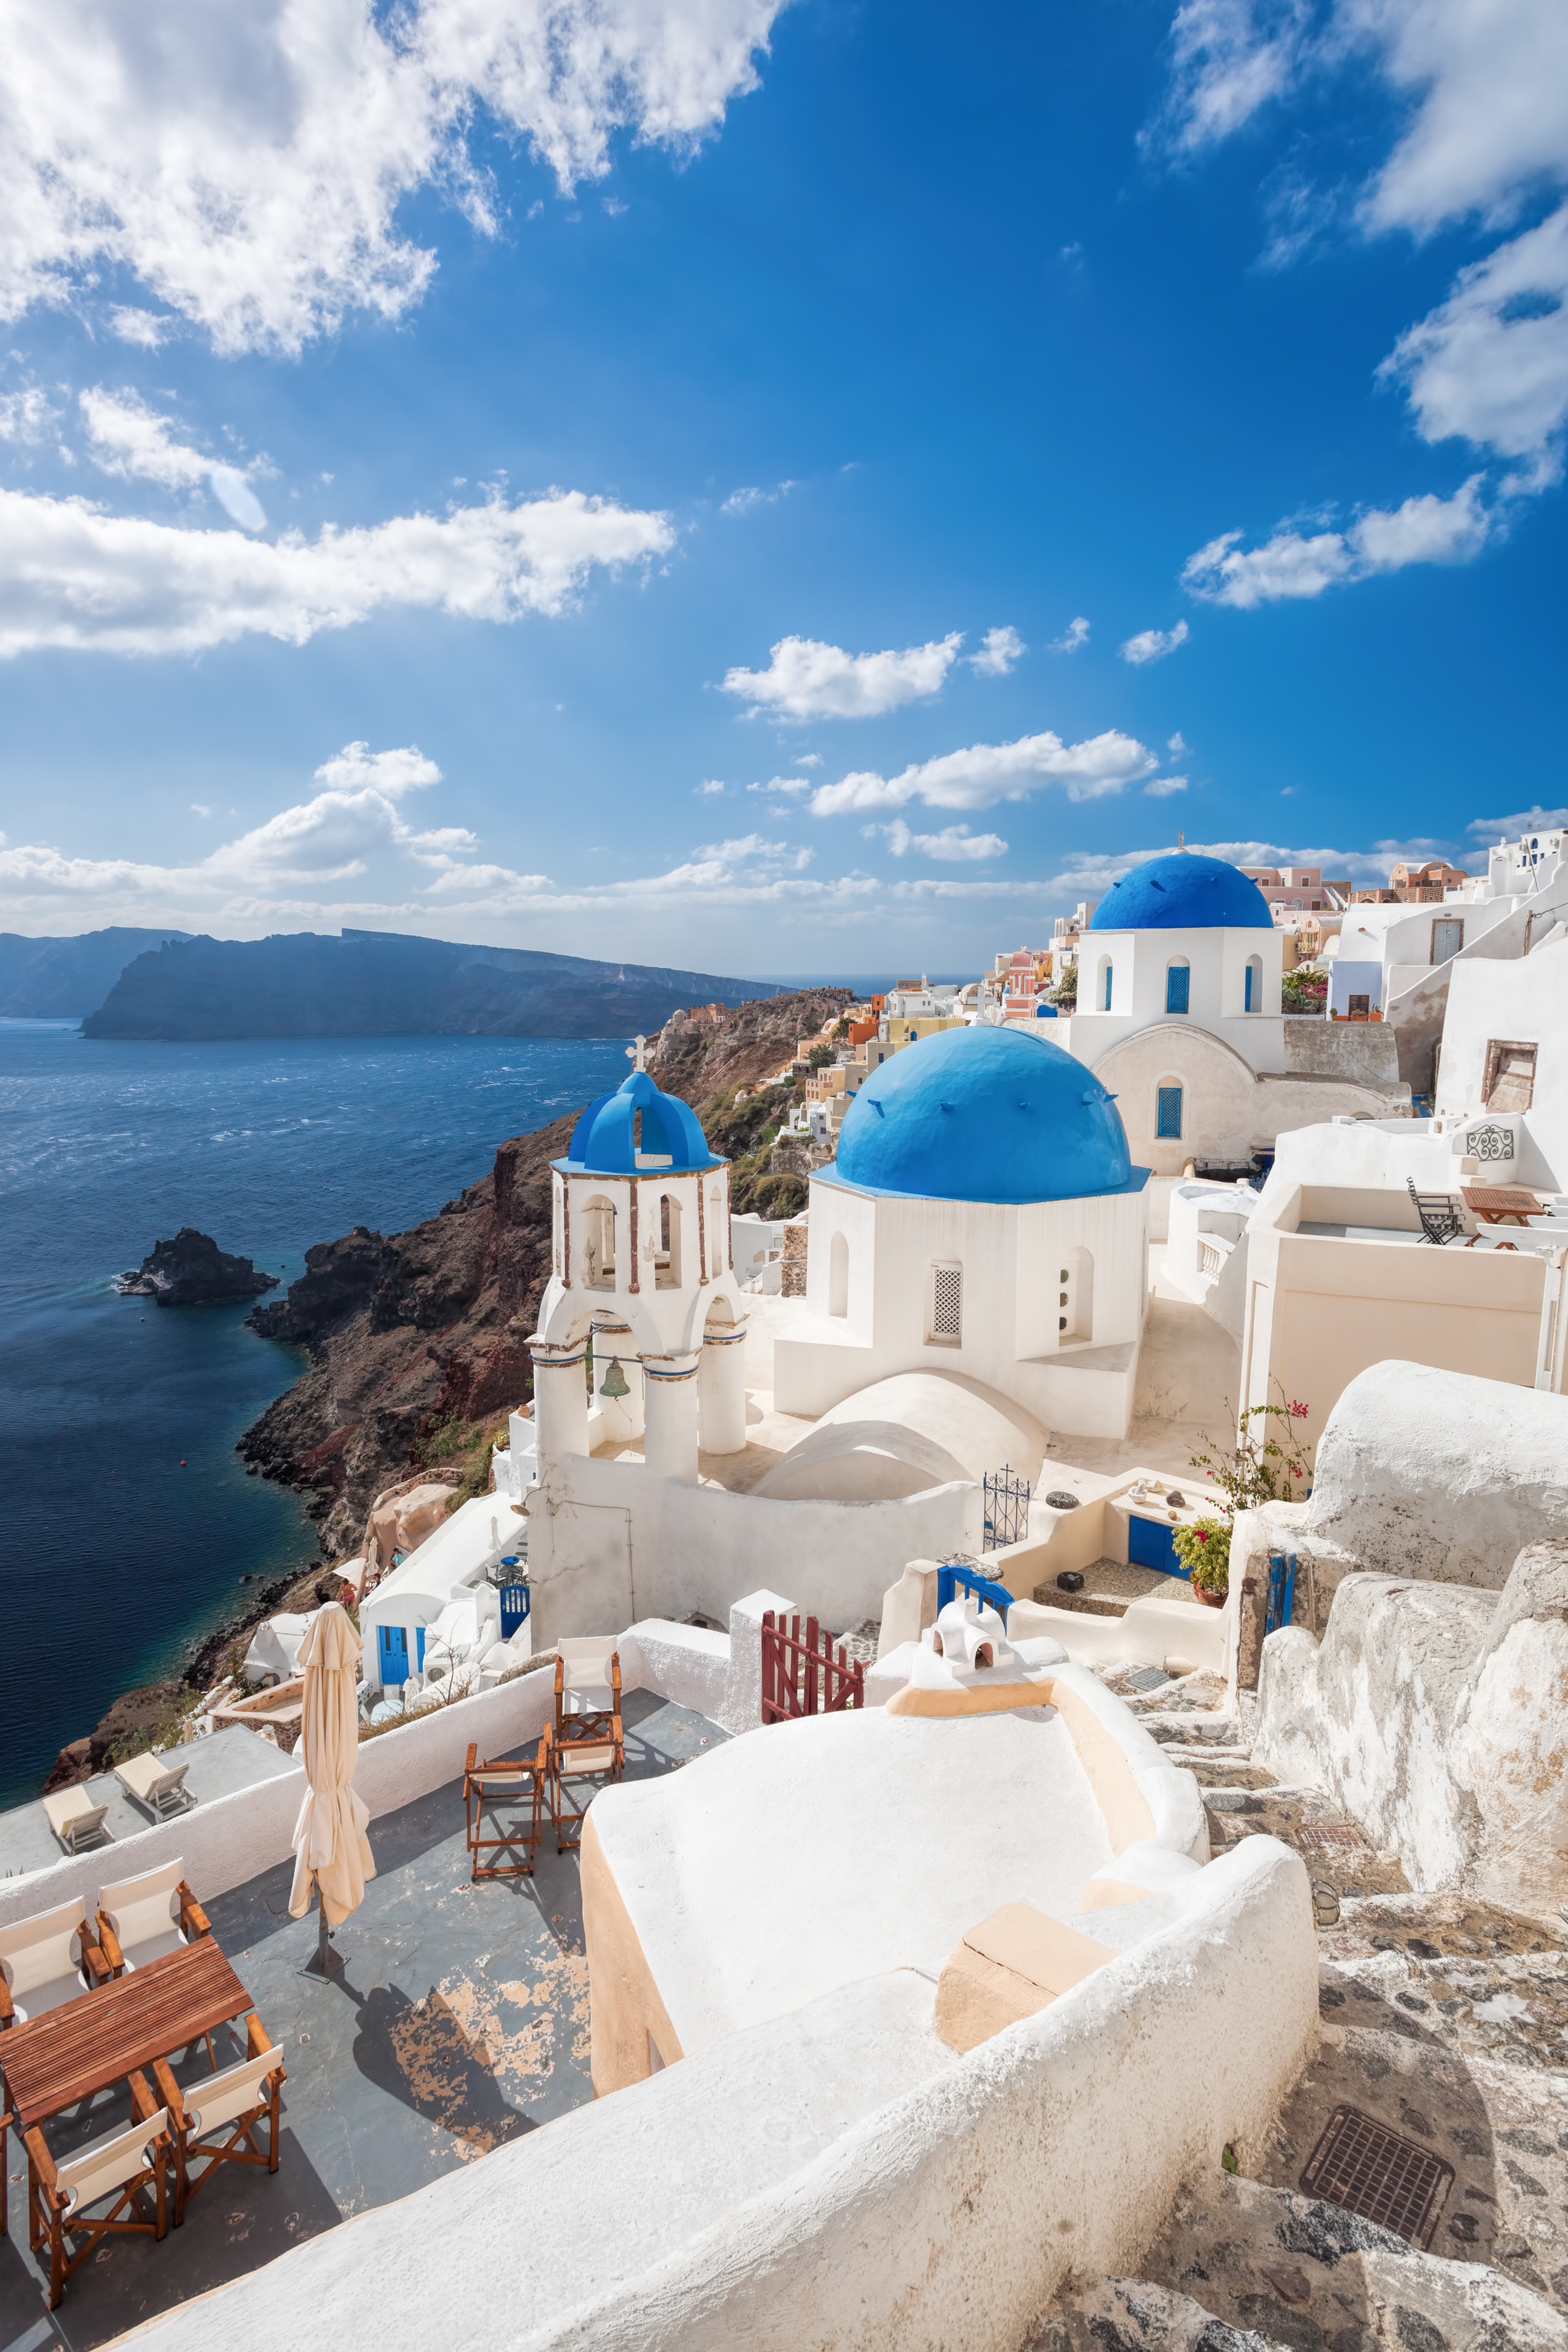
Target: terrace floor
458 2022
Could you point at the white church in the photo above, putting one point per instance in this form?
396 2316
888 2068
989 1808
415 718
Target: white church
975 1279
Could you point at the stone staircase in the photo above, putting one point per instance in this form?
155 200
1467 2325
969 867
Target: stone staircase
1442 2018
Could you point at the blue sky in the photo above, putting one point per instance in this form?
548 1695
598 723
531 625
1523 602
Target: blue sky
766 489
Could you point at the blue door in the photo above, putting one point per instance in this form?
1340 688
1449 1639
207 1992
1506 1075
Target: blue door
1150 1543
514 1609
392 1655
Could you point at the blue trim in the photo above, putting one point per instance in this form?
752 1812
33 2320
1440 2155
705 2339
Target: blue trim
1178 987
1167 1124
984 1588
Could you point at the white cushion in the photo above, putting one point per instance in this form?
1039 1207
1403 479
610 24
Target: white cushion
106 2165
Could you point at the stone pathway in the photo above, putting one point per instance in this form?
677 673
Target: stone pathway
1444 2019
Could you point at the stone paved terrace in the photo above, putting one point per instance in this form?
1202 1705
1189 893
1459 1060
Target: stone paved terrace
459 2021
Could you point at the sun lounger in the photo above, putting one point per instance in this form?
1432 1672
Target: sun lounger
75 1819
160 1787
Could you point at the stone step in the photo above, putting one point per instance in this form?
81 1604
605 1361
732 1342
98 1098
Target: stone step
1258 2266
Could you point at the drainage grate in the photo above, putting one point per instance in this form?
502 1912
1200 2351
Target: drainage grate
1322 1837
1147 1678
1361 2165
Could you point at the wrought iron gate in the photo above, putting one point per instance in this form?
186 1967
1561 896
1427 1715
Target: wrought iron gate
1007 1507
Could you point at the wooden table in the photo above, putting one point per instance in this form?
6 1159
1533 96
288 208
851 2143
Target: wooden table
1502 1204
100 2037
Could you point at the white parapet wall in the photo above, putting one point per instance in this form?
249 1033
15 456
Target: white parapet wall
836 2176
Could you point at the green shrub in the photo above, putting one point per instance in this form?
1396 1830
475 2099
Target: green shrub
1204 1550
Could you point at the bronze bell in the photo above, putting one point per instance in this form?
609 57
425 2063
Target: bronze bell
615 1383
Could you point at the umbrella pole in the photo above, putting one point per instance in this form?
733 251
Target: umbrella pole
324 1959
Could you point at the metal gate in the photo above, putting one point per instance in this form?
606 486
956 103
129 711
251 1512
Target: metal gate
801 1675
1007 1507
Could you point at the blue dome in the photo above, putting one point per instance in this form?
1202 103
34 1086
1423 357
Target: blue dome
603 1141
1183 893
985 1115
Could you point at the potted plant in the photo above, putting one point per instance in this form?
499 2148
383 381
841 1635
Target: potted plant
1204 1550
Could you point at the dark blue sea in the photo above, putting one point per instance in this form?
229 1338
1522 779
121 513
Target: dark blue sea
126 1519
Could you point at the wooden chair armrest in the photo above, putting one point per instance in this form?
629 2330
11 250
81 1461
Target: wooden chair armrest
111 1943
168 2092
43 2164
192 1918
95 1960
259 2039
472 1756
7 2008
143 2105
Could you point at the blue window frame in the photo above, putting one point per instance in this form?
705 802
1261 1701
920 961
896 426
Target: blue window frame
1110 975
1178 979
1247 990
1168 1123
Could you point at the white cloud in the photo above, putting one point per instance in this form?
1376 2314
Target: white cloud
808 680
199 808
1076 634
1530 820
987 773
954 845
782 784
1154 645
809 759
28 415
143 328
247 165
1231 57
999 649
1423 530
1163 786
356 769
1175 744
711 789
129 438
73 575
1491 364
745 502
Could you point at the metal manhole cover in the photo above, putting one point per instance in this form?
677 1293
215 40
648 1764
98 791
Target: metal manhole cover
1359 2164
1322 1837
1147 1678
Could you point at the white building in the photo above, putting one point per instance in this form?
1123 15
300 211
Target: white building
1179 1014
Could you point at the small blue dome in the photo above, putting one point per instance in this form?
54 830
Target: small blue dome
985 1114
1183 892
603 1141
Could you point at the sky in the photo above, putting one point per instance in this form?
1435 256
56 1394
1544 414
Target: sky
768 489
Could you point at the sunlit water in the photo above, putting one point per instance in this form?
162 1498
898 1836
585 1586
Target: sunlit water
126 1519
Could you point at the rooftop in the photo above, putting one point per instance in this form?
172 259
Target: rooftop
231 1759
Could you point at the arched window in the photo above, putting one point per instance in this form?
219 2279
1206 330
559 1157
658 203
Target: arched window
1252 985
1103 983
667 1255
1168 1111
838 1275
599 1245
1075 1297
1179 984
945 1324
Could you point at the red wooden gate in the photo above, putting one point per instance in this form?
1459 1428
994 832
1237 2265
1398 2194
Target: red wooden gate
802 1676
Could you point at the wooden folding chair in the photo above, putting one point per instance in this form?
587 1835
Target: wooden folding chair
588 1740
123 2166
516 1791
235 2102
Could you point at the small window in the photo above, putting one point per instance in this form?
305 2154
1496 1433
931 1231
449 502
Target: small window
838 1275
1252 985
947 1303
1448 937
1169 1122
1509 1075
1178 980
1360 1008
1107 976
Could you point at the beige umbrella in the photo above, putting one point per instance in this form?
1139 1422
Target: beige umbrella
329 1842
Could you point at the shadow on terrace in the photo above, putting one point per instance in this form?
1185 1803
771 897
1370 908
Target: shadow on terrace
459 2022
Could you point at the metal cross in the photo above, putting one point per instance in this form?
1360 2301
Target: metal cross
637 1055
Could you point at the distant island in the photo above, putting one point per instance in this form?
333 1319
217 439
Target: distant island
64 978
192 1271
389 984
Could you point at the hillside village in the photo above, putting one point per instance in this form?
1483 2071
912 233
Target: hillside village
962 1614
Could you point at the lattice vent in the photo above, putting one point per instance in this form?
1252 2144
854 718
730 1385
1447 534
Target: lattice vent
946 1302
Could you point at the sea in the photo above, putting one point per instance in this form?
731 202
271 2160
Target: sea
128 1525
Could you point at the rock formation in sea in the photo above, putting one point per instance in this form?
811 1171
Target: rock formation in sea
192 1271
417 1340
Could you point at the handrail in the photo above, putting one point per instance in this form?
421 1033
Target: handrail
985 1587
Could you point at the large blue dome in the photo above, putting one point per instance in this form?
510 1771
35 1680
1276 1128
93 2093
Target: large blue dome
984 1114
1183 892
604 1142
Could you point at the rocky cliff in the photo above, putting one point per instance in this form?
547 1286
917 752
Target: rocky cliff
416 1341
192 1271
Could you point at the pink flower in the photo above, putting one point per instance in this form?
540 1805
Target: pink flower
1298 1411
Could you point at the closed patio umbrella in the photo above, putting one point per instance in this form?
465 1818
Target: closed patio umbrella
329 1842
